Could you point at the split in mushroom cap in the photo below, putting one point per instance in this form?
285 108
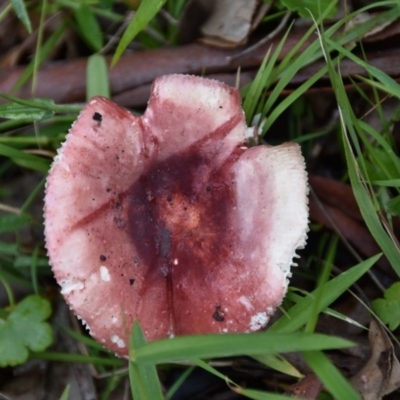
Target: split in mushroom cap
170 219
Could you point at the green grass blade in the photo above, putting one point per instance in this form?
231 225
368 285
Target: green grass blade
388 149
13 222
305 7
298 315
282 106
21 112
22 14
288 69
259 395
144 380
323 279
178 383
387 182
76 358
45 50
388 83
88 27
87 341
332 379
278 363
208 346
25 160
97 77
349 123
45 104
367 207
65 393
251 394
207 367
145 13
262 80
256 87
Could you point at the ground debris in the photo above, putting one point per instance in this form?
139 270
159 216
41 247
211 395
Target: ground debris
381 373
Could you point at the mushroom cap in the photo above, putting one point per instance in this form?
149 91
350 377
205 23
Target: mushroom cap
170 219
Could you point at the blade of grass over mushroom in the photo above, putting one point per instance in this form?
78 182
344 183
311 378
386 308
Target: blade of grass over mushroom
298 315
333 380
143 378
22 14
216 345
97 83
146 11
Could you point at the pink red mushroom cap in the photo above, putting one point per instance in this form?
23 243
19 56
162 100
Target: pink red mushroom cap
170 219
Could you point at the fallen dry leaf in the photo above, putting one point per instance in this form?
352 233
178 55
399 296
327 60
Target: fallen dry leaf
308 388
381 374
230 23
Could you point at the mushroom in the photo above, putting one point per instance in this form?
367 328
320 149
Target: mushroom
170 219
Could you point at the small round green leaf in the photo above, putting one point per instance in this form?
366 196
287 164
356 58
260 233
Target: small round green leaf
24 329
388 308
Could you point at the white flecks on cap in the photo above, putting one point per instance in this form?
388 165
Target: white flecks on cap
68 286
246 302
104 274
118 341
258 321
